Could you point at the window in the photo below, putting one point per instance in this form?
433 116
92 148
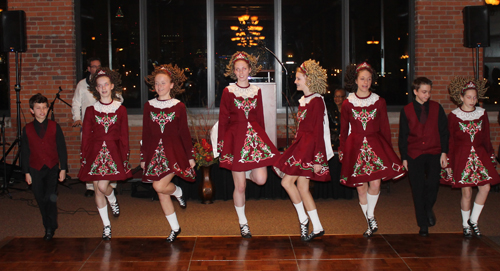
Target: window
227 42
379 34
177 33
110 31
491 67
197 36
312 30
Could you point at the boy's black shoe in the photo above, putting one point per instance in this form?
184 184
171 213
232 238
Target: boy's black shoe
432 218
49 234
424 232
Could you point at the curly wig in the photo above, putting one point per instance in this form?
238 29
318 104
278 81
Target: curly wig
459 85
114 78
175 74
316 76
351 74
248 58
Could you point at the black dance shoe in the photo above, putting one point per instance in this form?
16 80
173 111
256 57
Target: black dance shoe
475 228
372 224
467 232
368 233
182 202
106 233
115 209
304 230
313 235
173 235
245 231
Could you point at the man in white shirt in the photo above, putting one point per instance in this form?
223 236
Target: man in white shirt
83 98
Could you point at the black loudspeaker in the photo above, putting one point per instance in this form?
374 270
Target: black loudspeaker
14 31
476 26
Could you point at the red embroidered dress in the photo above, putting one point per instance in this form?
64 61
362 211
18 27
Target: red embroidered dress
471 155
105 146
166 141
242 141
365 142
309 147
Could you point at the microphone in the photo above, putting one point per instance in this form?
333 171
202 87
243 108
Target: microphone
262 45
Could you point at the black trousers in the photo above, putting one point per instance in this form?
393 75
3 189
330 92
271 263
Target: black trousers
44 187
424 174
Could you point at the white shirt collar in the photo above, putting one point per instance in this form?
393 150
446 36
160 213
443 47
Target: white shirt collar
163 104
358 102
467 116
305 100
107 108
248 92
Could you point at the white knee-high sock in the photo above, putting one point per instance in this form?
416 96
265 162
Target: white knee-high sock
111 197
241 215
465 218
372 202
315 221
178 192
476 211
172 220
103 212
364 208
301 211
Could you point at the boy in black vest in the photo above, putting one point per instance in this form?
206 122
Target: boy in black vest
423 144
43 152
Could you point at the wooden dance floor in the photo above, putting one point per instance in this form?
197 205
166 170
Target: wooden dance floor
331 252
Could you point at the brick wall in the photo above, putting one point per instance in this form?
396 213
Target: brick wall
439 52
50 62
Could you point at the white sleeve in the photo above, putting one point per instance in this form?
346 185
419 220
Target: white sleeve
76 106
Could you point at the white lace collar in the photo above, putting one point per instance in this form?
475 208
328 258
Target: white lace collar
305 100
163 104
358 102
107 108
248 92
466 116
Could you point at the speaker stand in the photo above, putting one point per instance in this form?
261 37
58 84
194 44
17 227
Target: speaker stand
17 142
476 69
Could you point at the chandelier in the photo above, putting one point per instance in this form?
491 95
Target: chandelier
248 32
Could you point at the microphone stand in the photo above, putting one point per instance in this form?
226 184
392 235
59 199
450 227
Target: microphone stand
286 87
51 108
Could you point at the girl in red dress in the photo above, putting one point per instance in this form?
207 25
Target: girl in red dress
365 144
167 148
307 158
471 155
242 141
105 146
